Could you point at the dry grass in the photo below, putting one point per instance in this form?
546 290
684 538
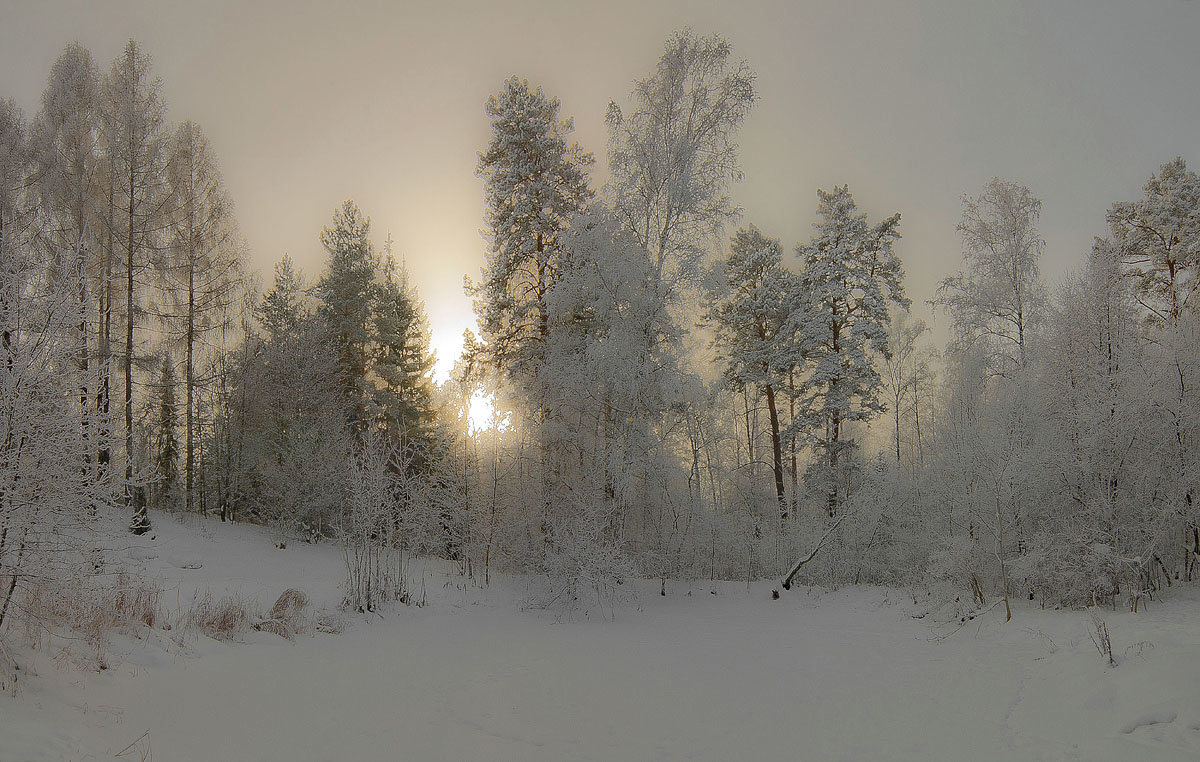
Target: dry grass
82 609
289 609
223 618
276 627
91 605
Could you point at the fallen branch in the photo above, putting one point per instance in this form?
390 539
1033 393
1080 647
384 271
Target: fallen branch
144 752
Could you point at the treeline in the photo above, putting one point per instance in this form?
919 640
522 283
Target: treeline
674 398
679 413
120 269
140 368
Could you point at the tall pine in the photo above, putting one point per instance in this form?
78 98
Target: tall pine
535 183
851 276
752 314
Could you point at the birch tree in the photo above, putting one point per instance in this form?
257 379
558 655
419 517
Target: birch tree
674 154
995 303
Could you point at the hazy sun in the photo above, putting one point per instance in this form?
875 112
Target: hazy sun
447 344
482 414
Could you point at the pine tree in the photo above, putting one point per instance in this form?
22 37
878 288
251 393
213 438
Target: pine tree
755 328
347 292
850 275
535 182
1158 239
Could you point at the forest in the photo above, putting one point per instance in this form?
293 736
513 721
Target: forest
674 394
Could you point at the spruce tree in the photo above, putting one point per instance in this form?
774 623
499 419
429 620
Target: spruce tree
166 440
402 362
282 307
346 292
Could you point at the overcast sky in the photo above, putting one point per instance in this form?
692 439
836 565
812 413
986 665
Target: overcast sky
912 103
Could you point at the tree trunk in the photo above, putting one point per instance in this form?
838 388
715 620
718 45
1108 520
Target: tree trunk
776 451
190 383
835 427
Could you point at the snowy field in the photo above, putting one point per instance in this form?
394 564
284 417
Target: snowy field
711 672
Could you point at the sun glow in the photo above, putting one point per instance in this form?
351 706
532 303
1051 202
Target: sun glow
447 344
482 416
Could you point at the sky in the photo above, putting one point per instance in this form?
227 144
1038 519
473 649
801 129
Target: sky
912 103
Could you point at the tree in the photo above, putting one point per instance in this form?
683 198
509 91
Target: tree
46 499
994 304
64 142
16 215
165 451
672 157
346 292
755 329
1158 239
850 275
132 133
282 307
906 370
285 434
534 183
202 266
402 362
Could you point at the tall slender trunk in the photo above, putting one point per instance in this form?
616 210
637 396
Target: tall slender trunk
190 384
792 437
896 416
129 318
134 496
84 393
917 422
835 429
104 395
776 451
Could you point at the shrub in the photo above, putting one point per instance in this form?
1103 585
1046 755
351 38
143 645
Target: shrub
289 609
223 619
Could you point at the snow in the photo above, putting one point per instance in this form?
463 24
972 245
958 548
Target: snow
713 671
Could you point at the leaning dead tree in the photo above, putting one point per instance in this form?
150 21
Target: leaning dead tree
786 583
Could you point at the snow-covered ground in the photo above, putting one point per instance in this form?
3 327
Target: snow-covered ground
711 672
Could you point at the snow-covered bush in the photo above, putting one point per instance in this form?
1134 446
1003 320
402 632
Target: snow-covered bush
585 567
393 511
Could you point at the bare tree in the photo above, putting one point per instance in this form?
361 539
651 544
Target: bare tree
202 266
996 301
673 156
132 128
